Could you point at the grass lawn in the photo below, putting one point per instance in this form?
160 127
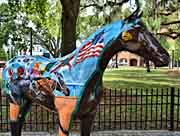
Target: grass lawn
134 77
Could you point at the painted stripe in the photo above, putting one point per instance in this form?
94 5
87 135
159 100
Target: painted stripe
86 46
56 67
89 52
94 55
92 48
78 84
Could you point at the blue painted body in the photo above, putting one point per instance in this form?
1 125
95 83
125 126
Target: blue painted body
76 68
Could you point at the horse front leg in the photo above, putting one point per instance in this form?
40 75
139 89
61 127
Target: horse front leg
90 109
17 116
65 107
86 124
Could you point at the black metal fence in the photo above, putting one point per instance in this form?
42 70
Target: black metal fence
145 109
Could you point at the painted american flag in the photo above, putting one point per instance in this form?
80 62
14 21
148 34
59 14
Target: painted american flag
92 48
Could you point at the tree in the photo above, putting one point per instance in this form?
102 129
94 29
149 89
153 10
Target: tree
3 54
58 24
64 39
17 17
70 12
164 17
48 26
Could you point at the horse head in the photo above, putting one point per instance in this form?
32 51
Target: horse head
140 41
136 38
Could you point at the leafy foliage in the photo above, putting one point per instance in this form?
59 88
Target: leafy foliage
3 55
47 27
161 18
17 17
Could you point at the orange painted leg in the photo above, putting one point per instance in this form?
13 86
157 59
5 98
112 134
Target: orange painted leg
14 111
65 107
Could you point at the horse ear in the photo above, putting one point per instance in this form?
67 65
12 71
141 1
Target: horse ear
135 14
131 17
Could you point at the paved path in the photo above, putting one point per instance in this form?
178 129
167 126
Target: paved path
136 133
108 133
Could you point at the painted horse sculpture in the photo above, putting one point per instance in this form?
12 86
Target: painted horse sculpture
72 85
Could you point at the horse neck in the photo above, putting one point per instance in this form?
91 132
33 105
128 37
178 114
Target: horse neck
96 80
108 53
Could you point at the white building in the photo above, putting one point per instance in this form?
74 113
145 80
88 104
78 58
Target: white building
37 50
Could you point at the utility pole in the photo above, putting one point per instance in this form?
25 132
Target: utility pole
172 59
31 42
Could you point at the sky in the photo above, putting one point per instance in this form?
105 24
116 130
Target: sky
3 1
131 4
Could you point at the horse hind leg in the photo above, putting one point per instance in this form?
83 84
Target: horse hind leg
17 117
65 107
14 112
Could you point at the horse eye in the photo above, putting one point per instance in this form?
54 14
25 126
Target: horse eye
127 36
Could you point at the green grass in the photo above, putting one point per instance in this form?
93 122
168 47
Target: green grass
133 77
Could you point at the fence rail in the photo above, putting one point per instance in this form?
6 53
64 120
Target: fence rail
155 108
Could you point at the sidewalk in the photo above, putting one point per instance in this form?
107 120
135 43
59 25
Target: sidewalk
108 133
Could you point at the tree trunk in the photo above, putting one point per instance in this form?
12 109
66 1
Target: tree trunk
148 66
70 12
178 64
117 60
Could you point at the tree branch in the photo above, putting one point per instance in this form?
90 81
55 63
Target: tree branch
112 3
171 23
47 46
58 36
108 3
167 13
90 5
172 35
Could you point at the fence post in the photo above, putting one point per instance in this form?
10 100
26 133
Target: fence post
172 109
